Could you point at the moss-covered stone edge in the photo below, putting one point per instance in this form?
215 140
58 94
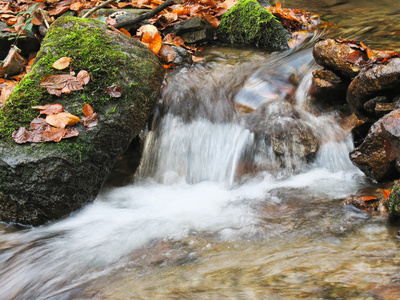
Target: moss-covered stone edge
393 201
247 22
94 56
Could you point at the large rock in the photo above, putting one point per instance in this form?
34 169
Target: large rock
283 130
249 23
377 80
378 156
193 30
41 182
327 87
335 56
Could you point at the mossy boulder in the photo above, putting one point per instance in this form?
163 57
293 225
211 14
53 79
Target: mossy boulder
393 201
46 181
251 24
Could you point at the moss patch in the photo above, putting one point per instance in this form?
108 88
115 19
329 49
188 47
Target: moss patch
93 50
249 23
393 201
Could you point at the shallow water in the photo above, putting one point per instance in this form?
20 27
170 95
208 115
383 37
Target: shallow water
213 213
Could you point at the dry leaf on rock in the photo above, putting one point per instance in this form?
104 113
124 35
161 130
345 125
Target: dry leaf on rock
53 134
90 119
21 135
50 109
167 53
150 36
83 76
114 91
62 63
62 119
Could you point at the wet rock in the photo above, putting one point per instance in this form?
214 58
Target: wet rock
279 125
377 80
379 154
370 105
249 23
193 30
334 55
327 87
42 182
182 56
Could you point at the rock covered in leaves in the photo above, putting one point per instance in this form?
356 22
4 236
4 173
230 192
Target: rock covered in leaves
42 182
251 24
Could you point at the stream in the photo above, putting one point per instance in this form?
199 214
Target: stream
213 212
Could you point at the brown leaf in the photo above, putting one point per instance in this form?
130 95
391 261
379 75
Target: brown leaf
71 132
356 57
167 53
62 63
172 39
38 124
56 92
6 92
90 121
124 31
13 63
114 91
53 134
21 135
50 109
56 81
77 6
62 119
83 76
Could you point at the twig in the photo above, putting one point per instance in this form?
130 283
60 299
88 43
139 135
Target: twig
145 16
44 18
92 10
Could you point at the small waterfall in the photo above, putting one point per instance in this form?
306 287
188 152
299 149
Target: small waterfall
196 151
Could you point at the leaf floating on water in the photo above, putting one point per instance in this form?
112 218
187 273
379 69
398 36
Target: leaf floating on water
62 63
83 76
62 119
114 91
50 109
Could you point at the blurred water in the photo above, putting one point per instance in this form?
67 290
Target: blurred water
209 214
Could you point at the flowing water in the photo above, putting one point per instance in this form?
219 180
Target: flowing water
217 211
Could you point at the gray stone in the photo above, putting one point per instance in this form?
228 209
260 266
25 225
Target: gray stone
47 181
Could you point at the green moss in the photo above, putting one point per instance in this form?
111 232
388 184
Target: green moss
91 50
393 201
249 23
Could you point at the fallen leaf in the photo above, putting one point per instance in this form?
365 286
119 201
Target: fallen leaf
49 109
6 92
21 135
114 91
38 124
167 53
71 132
56 92
197 58
150 36
53 134
172 39
124 31
62 63
87 110
55 81
61 120
369 198
83 76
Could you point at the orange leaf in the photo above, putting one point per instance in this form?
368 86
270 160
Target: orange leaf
87 110
83 77
124 31
62 63
385 193
62 119
52 134
150 36
370 53
369 198
174 40
76 6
